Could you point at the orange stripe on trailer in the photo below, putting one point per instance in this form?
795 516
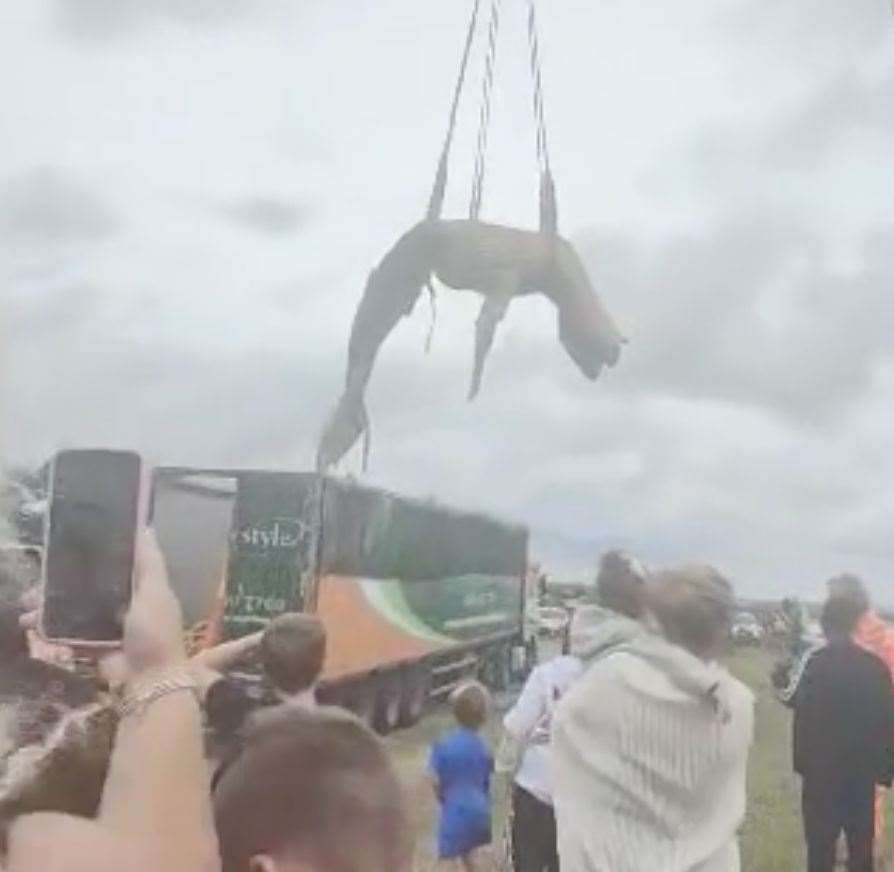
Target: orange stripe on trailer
360 638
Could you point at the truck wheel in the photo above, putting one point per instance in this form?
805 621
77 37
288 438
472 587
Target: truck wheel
531 655
414 696
504 667
497 668
387 708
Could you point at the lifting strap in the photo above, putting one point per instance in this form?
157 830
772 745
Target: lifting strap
549 210
548 202
484 111
436 201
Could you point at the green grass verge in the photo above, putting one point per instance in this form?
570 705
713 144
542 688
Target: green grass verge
771 836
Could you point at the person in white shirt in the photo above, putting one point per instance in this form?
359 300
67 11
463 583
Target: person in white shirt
619 592
650 746
528 726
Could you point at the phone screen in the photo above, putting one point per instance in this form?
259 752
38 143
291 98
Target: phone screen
89 558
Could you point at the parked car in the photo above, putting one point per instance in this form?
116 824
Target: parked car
747 630
552 621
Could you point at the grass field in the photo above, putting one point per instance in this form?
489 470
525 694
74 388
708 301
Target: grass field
771 836
772 839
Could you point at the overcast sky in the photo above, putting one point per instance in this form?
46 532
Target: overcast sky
193 191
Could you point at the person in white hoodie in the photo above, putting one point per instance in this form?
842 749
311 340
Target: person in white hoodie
524 750
650 746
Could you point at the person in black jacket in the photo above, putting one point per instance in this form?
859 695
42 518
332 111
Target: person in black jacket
843 726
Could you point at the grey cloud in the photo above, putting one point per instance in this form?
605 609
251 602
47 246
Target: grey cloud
175 404
748 313
89 365
846 106
819 33
35 318
587 469
267 215
101 21
755 311
847 118
836 84
50 204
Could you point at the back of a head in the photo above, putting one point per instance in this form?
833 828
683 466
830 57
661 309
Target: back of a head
312 789
620 584
693 605
470 702
847 586
292 651
840 616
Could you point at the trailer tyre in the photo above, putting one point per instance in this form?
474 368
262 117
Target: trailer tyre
504 667
532 656
497 668
386 718
413 697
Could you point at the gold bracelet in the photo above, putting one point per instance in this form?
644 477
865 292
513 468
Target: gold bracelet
137 702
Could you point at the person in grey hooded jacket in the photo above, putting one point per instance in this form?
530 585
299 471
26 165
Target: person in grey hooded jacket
650 746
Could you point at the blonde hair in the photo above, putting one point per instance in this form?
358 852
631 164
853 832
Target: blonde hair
470 702
693 604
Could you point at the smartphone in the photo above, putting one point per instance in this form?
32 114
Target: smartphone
90 545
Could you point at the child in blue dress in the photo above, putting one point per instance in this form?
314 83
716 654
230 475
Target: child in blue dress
460 767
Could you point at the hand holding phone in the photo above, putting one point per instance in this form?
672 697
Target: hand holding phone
153 629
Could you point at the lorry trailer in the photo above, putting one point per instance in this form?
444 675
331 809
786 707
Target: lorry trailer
415 597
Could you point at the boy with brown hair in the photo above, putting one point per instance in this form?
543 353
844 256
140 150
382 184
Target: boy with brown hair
291 651
312 791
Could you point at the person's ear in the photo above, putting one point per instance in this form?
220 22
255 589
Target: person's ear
266 863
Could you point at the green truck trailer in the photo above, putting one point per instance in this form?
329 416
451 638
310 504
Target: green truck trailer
415 597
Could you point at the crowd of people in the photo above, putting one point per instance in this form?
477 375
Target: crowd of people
627 753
